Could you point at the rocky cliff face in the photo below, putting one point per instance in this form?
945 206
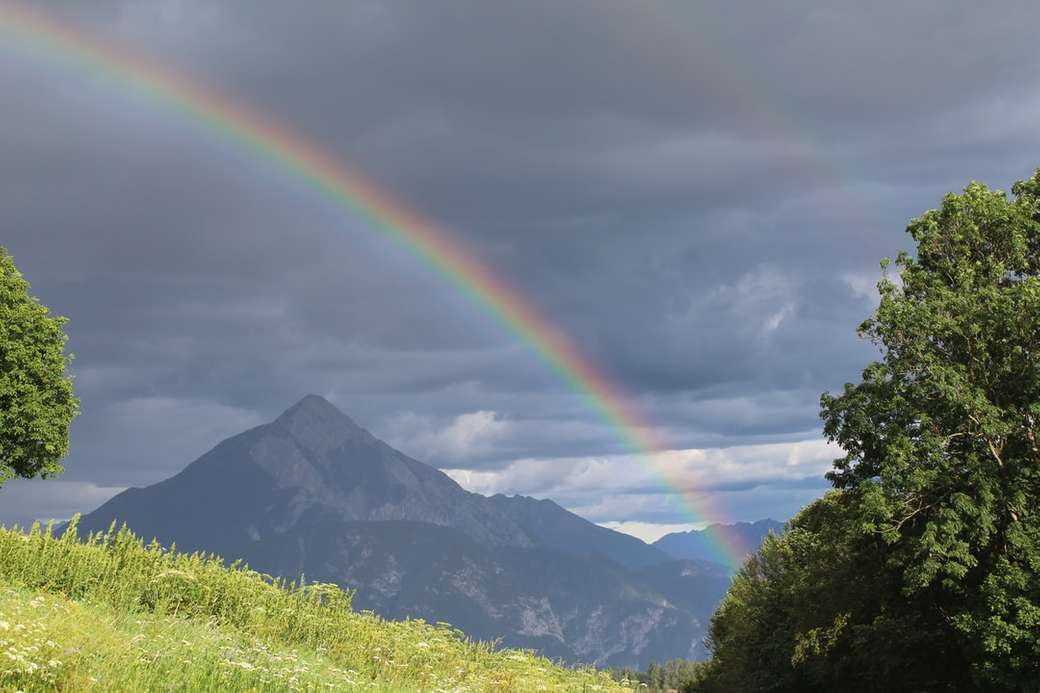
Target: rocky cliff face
313 493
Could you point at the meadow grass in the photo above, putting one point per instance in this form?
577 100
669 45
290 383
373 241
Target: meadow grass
113 613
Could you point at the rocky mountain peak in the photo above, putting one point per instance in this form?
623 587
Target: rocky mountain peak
316 424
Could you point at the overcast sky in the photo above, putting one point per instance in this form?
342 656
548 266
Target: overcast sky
697 193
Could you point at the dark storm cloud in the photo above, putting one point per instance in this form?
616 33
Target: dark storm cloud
698 194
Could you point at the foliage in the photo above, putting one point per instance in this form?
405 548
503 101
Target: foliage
49 642
117 614
921 572
37 405
672 675
817 609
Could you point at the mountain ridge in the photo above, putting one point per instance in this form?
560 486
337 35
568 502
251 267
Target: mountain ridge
740 539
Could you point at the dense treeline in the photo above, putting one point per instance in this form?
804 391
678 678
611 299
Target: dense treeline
919 571
672 675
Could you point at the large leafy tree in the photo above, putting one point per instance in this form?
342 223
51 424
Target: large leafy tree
942 435
922 570
37 404
819 609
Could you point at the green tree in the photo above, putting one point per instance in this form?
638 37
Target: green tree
920 571
659 677
941 436
37 404
817 609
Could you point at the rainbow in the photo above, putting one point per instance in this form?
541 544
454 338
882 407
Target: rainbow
355 193
685 23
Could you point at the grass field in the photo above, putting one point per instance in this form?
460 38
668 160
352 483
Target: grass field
111 613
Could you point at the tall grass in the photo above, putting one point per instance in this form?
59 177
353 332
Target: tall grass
119 569
156 593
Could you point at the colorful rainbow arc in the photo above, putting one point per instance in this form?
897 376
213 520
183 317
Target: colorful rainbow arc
354 192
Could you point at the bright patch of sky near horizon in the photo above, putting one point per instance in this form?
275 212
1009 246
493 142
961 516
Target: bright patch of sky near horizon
650 531
704 220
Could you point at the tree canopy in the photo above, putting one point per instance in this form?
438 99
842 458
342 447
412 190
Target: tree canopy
37 404
919 572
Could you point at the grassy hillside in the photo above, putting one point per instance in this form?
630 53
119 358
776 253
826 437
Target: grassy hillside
114 614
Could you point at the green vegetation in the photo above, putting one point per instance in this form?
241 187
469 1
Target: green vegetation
36 401
672 675
115 614
921 570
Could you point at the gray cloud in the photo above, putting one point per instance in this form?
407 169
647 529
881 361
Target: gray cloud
697 194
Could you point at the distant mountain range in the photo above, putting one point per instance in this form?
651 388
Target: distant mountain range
313 493
740 539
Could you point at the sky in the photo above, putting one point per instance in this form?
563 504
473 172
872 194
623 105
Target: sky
697 193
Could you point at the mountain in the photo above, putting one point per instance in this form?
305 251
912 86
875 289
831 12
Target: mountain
693 585
313 493
312 460
550 526
742 538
